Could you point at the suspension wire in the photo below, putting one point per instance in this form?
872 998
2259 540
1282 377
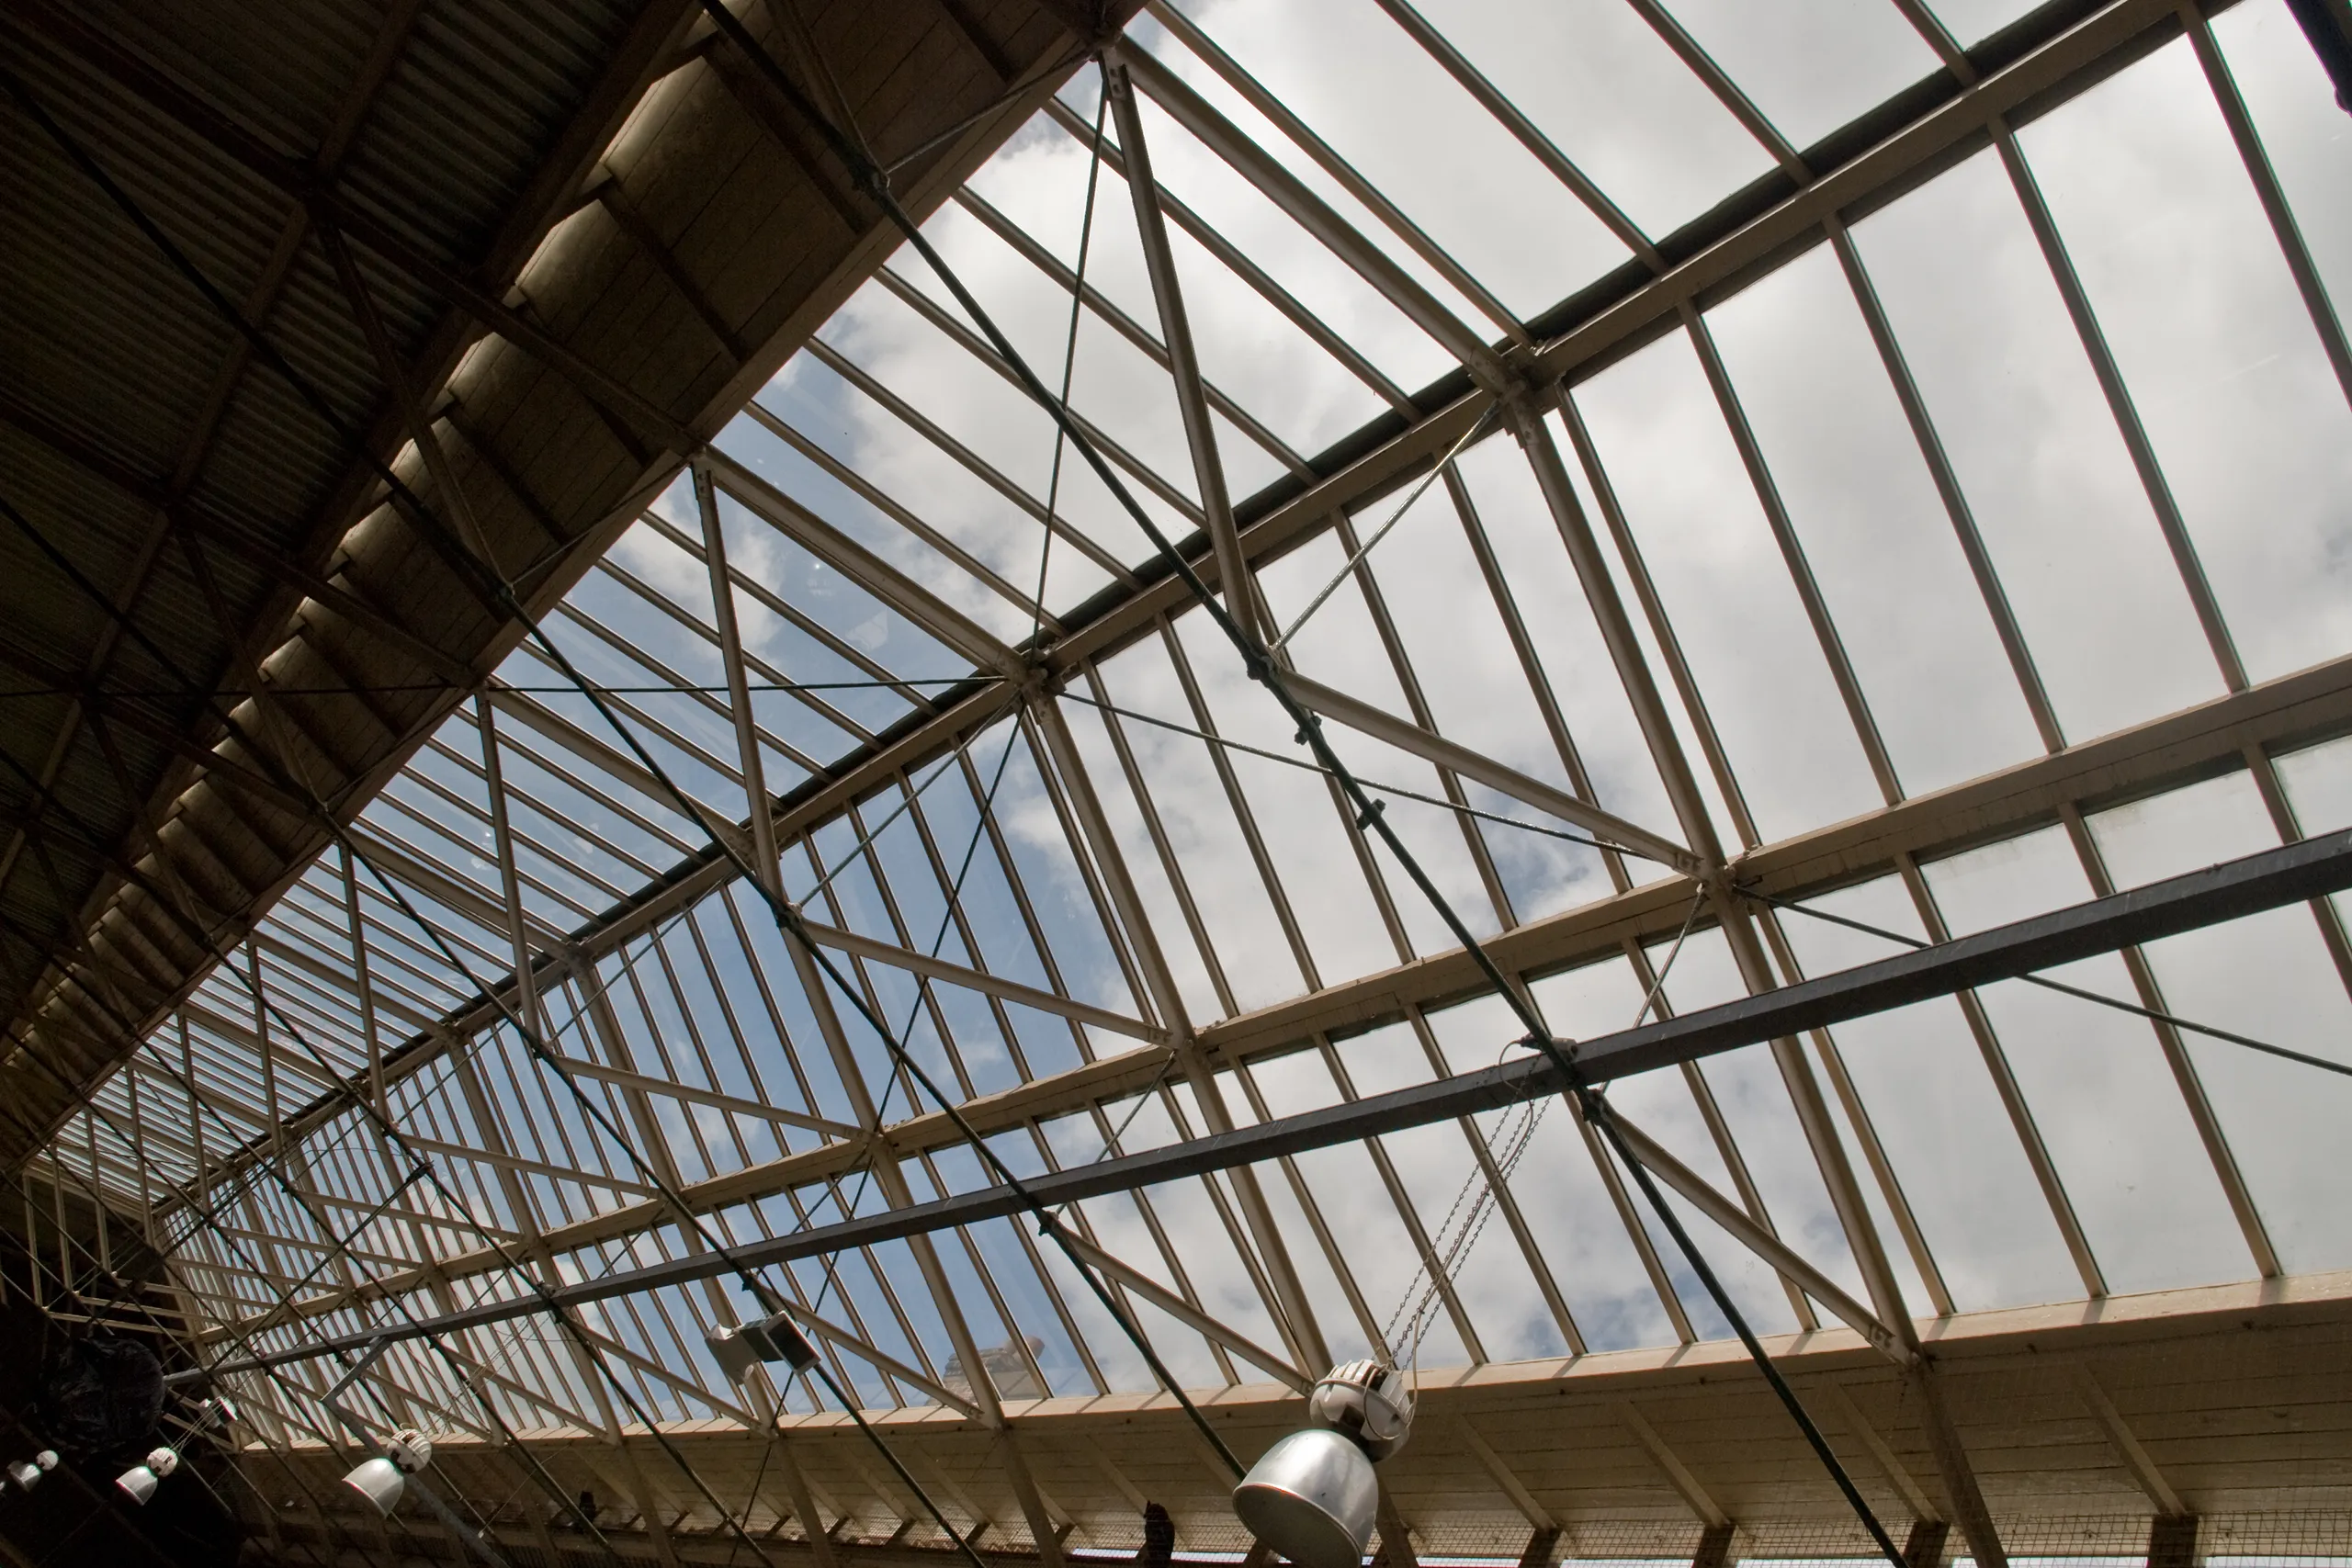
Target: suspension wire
336 832
1036 600
1068 58
338 1246
501 596
939 940
1480 427
1515 1133
483 578
1262 668
1069 342
1071 693
2155 1015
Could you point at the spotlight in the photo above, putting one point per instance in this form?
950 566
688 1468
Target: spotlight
738 1348
26 1473
1313 1498
381 1479
139 1483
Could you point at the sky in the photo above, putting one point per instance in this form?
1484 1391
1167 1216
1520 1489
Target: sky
2120 374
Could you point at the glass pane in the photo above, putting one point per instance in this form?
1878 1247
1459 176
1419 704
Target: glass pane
1811 65
2005 380
1726 588
1874 531
1612 95
2217 347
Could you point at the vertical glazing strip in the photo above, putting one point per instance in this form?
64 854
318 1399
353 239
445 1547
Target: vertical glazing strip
1939 469
2013 1100
2120 404
2258 169
1784 535
2184 1068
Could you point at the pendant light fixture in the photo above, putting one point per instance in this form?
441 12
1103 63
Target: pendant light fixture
1313 1497
139 1483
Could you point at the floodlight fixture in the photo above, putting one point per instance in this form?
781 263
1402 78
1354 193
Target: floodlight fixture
139 1483
26 1473
381 1479
1313 1497
738 1347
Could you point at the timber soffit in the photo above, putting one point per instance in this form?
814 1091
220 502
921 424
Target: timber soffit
303 635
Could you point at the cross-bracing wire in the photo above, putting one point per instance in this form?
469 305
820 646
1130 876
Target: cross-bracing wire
1480 427
1398 791
1045 560
875 184
482 578
2155 1015
1508 1144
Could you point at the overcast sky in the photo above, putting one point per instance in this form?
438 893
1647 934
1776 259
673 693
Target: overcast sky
2248 427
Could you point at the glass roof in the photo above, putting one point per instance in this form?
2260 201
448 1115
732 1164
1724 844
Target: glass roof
2036 443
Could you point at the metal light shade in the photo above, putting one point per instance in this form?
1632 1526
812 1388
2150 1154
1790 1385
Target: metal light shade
380 1482
140 1481
1312 1498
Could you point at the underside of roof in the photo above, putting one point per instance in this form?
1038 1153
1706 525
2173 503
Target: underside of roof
533 230
1678 666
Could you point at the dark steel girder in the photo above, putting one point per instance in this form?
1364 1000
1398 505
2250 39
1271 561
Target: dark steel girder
2311 868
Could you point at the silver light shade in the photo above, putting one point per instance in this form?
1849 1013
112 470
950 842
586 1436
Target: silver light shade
139 1483
380 1482
1312 1498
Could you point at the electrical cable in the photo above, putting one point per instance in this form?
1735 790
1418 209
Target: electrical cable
1045 560
1480 427
2153 1014
501 595
1399 791
872 180
1515 1133
205 1213
1260 667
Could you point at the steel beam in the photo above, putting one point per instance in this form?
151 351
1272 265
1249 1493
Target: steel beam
2275 878
878 577
954 974
1290 193
1240 588
1381 725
